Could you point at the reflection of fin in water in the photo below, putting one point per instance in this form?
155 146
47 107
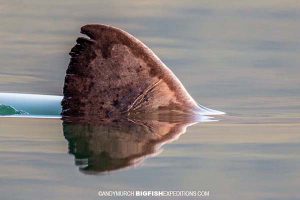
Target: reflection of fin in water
115 145
112 73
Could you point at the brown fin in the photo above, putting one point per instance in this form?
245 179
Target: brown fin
112 73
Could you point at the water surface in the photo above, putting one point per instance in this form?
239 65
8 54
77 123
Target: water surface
241 57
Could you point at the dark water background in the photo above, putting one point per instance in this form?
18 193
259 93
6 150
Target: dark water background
241 57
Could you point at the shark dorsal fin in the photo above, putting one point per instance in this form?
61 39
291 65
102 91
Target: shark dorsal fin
112 73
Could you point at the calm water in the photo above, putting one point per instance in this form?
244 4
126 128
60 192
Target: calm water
241 57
